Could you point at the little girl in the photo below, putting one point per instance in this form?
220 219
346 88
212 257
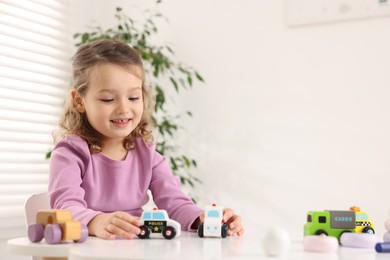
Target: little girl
105 162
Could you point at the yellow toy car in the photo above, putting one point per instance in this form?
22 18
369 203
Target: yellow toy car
362 222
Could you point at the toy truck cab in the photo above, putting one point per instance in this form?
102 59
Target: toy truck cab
363 222
213 225
56 226
156 223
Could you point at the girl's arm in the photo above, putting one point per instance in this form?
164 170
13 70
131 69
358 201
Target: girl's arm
68 161
167 194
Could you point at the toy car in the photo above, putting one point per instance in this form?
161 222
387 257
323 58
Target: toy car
56 226
363 222
213 225
157 222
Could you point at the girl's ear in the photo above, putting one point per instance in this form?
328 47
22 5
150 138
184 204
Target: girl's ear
78 101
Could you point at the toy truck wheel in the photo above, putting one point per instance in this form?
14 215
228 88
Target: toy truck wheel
200 230
321 232
224 230
145 232
53 233
368 230
169 232
35 232
84 234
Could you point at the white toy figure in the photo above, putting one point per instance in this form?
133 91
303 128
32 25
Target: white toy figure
213 225
276 241
157 222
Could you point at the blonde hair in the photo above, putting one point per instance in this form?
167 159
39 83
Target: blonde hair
87 58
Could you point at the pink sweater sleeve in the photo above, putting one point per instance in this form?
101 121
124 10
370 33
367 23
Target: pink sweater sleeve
67 163
167 194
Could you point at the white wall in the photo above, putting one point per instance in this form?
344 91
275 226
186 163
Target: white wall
290 119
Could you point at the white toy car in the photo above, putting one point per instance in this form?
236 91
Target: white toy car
156 223
213 225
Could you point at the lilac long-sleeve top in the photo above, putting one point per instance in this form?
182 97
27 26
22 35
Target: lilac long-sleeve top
89 184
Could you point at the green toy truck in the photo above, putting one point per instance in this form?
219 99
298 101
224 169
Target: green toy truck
336 222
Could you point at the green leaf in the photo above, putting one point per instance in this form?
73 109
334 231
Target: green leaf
187 161
174 84
85 37
199 77
194 163
189 80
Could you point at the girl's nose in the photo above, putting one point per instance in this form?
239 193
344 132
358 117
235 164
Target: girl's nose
123 107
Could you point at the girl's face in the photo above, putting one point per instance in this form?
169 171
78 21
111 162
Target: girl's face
113 101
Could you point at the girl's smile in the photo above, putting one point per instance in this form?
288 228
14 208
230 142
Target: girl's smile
120 122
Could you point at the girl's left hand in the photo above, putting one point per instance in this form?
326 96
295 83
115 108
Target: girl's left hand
233 221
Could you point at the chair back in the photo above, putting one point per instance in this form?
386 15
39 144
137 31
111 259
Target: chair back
33 204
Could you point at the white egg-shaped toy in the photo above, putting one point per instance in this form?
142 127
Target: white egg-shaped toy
386 237
276 241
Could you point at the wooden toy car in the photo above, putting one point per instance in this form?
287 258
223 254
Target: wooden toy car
56 226
156 223
213 225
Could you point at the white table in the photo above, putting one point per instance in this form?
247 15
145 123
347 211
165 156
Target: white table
187 246
23 246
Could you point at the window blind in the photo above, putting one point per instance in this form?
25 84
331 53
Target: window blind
34 76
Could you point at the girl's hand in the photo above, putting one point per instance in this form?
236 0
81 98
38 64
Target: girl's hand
110 225
232 220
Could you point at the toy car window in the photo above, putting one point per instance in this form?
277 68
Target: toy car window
322 219
158 215
308 218
213 214
147 215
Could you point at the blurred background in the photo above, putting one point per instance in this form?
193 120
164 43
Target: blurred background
293 114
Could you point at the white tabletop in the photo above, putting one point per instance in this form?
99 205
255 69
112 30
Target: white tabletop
23 246
187 246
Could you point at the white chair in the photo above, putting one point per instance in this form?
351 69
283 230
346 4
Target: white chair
32 205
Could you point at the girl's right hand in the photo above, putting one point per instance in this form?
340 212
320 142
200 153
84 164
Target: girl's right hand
111 225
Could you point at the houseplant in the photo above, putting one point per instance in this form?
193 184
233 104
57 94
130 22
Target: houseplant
160 66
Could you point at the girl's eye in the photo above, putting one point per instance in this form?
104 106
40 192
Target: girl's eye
107 100
133 98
